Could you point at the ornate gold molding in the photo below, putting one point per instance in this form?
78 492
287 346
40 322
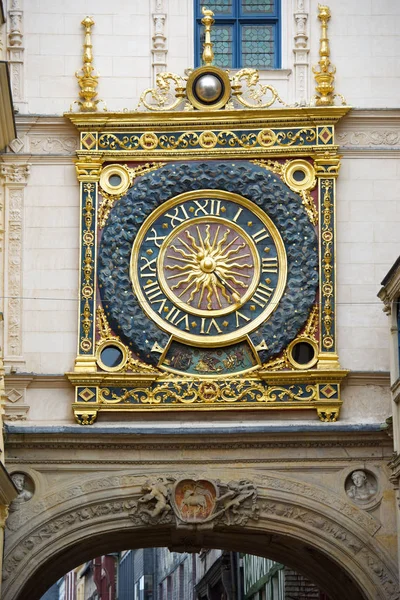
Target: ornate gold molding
88 168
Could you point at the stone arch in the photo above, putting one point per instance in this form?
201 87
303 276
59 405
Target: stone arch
326 538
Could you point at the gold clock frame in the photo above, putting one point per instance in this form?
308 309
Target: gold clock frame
278 139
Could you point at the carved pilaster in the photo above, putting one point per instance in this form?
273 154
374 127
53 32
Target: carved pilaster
159 46
327 169
16 51
88 172
14 178
301 51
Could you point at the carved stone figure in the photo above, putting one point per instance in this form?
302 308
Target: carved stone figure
157 497
23 494
230 503
362 489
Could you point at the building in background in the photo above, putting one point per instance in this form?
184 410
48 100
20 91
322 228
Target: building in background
158 574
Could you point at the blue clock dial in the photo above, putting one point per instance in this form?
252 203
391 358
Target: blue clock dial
208 265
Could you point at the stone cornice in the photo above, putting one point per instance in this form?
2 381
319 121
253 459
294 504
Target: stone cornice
369 130
380 378
390 289
44 136
160 438
32 380
360 132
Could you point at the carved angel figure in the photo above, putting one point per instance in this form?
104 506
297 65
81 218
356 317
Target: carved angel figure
158 497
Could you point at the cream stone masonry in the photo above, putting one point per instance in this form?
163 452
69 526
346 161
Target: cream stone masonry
159 47
14 177
130 42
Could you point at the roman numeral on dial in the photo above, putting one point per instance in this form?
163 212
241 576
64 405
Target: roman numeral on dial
262 294
174 317
210 207
270 265
258 236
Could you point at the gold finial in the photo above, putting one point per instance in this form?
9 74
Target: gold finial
324 72
207 20
87 80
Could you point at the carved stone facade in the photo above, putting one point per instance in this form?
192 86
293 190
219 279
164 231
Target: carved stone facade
14 177
301 51
16 52
159 46
191 502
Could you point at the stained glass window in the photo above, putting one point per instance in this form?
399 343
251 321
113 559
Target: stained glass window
222 40
258 7
218 6
245 34
258 46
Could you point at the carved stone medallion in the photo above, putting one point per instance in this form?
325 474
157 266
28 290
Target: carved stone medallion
194 501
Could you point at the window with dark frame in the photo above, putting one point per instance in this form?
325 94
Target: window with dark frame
246 33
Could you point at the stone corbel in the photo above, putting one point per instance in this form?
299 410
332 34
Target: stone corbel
14 178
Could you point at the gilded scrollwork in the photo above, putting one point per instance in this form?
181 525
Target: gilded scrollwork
106 335
173 91
261 96
87 285
167 95
282 362
209 139
215 392
306 197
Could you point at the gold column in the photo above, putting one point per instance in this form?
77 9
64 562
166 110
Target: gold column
208 21
88 170
87 80
327 167
324 72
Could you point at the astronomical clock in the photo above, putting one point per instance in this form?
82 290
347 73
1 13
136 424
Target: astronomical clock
207 268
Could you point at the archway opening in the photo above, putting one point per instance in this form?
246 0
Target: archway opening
302 556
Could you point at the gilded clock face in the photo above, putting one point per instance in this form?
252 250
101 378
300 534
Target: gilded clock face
208 267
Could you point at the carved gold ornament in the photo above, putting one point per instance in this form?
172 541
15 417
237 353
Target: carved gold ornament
115 180
86 77
107 339
324 72
111 193
290 171
209 267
